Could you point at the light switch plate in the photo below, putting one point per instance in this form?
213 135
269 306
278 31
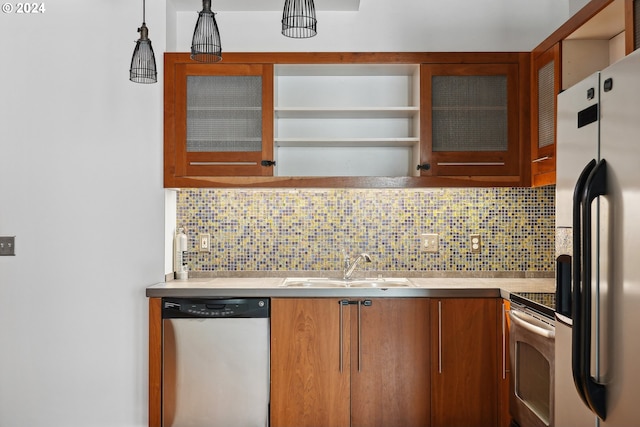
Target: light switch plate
205 243
429 242
7 245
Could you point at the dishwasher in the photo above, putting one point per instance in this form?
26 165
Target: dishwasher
215 362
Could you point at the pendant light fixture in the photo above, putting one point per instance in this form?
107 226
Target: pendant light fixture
205 46
143 62
299 19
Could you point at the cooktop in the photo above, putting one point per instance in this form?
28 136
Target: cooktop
542 302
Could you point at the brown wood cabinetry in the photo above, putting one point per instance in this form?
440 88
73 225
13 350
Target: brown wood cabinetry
464 354
350 362
504 377
155 362
234 142
309 363
546 86
376 362
218 120
471 120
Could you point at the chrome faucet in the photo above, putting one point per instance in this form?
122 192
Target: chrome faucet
349 267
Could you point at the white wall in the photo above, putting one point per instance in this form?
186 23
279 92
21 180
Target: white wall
398 25
81 179
576 5
81 188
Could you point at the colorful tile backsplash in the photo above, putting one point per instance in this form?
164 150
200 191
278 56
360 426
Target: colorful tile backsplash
305 230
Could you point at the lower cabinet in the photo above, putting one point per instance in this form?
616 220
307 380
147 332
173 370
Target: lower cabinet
504 416
465 360
388 362
350 362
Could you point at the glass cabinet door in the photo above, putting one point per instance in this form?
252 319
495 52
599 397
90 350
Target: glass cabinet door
219 119
470 122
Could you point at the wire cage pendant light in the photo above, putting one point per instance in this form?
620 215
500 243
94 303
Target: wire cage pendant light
143 61
299 19
206 46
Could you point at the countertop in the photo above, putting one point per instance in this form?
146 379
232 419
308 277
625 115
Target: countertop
421 288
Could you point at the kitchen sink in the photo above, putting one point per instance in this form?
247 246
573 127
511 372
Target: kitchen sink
323 282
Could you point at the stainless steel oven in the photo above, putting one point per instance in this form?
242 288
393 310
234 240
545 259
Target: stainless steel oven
532 344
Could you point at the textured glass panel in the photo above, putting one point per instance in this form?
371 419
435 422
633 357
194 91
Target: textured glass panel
636 24
469 113
224 113
546 105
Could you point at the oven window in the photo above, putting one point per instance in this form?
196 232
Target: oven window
533 380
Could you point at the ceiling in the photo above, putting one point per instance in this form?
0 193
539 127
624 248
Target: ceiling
261 5
607 24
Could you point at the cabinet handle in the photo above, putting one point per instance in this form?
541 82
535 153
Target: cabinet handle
504 342
359 335
541 159
222 163
366 303
471 164
439 337
342 303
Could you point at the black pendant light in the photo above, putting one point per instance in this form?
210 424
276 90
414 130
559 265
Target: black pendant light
299 19
205 46
143 62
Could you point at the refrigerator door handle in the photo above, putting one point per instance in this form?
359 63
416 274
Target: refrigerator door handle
576 309
594 392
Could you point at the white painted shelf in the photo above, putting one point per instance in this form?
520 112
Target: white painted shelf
347 120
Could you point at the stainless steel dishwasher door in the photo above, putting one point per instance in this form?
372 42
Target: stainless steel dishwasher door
215 372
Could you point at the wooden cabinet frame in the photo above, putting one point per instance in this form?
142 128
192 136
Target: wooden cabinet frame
543 160
177 173
179 164
478 163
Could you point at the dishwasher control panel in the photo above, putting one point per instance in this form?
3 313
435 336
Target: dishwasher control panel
214 308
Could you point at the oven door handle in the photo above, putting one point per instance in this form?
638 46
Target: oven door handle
527 322
594 392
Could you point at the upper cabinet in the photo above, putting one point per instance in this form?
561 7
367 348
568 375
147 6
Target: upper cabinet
470 122
346 120
546 86
599 34
595 44
218 120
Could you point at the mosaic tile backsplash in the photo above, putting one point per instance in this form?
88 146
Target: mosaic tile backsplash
305 230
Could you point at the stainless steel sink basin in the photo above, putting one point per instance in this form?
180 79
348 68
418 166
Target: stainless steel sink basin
323 282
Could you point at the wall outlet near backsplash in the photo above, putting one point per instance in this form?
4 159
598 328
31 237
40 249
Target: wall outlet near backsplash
476 243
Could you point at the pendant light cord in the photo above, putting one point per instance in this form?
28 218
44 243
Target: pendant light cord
143 12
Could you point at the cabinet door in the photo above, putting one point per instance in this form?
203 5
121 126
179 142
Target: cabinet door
464 357
470 119
218 119
390 363
505 370
546 85
309 387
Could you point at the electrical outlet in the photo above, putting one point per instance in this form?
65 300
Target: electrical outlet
476 243
429 242
205 243
7 245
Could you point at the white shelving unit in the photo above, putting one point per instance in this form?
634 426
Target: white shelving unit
347 120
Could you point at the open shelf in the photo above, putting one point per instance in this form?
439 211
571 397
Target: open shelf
346 120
